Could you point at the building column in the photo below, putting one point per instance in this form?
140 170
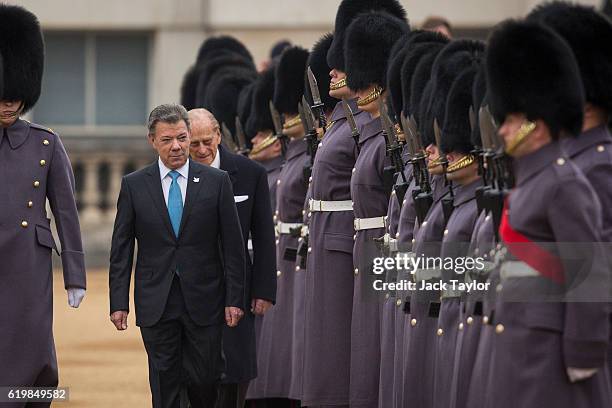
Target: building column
91 193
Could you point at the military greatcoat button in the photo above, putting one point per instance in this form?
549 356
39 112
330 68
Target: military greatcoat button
356 271
470 320
413 240
353 170
404 202
386 296
24 224
42 163
485 319
560 161
397 234
36 183
277 182
309 249
460 326
46 142
30 204
424 223
398 302
277 241
446 232
278 273
600 148
499 329
310 179
393 192
440 332
413 322
297 268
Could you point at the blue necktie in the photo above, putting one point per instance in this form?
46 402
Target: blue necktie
175 203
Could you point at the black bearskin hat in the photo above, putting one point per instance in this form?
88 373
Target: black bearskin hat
420 45
454 58
263 92
394 78
222 98
369 39
289 85
217 66
244 107
347 11
588 34
23 51
224 44
532 70
479 93
456 130
317 61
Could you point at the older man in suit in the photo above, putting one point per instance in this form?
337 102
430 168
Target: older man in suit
188 267
251 195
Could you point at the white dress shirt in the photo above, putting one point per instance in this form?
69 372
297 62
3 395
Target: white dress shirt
216 163
166 179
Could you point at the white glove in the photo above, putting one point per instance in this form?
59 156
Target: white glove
579 374
75 296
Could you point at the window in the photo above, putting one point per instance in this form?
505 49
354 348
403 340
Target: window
94 79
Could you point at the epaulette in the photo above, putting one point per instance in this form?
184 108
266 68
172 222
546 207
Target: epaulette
39 127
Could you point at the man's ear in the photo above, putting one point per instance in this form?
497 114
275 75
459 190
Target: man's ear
151 139
542 132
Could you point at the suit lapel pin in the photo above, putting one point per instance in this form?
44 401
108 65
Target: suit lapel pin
196 179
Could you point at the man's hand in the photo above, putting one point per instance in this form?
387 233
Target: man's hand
260 306
580 374
75 296
233 315
119 319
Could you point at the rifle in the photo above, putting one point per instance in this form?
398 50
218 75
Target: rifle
317 105
351 121
448 202
394 152
227 140
242 146
421 194
278 128
479 152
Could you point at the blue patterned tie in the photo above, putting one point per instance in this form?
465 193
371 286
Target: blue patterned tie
175 202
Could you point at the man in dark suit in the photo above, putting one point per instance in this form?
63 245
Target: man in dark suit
188 266
251 195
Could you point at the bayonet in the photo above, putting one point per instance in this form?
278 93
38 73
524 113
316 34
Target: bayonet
278 128
227 139
394 151
240 136
316 99
351 121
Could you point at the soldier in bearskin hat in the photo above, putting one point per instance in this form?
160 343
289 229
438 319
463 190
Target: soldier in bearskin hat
35 168
552 203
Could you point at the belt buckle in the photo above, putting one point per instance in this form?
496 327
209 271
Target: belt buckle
357 224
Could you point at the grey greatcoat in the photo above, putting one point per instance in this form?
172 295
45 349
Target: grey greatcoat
455 244
33 167
369 200
420 335
329 276
277 326
536 341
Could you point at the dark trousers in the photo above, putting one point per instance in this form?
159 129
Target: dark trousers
184 358
231 395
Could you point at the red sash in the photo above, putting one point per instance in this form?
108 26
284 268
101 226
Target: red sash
547 264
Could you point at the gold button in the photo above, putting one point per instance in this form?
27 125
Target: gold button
398 302
353 170
310 179
397 234
560 161
309 249
499 329
393 192
487 218
42 162
274 218
46 142
446 232
460 326
424 223
30 204
404 202
303 212
278 273
485 319
356 271
386 296
413 240
300 240
36 183
24 224
413 322
600 148
440 332
277 241
277 182
297 268
309 214
470 320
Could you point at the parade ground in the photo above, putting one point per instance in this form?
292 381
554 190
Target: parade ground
101 366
